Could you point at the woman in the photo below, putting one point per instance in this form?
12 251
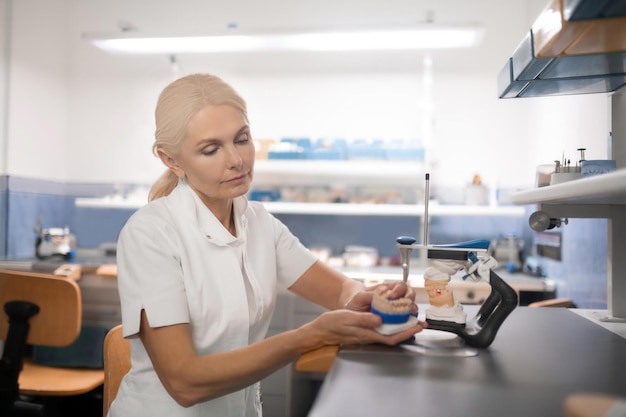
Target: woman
199 267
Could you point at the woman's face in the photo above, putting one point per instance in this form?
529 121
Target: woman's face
217 156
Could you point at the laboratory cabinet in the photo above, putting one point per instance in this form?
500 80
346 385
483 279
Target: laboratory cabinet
573 47
602 196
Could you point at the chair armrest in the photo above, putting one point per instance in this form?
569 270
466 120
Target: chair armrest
318 360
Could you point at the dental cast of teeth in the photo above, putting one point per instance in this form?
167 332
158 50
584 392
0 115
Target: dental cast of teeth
382 302
443 305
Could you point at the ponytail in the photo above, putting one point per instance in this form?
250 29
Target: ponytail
163 186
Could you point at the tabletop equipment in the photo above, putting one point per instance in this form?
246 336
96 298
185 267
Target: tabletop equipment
482 329
473 257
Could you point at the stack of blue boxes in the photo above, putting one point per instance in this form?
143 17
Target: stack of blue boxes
340 149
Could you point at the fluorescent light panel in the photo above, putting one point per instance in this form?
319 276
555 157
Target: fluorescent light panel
428 36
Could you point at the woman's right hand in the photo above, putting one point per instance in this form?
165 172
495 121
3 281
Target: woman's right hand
352 327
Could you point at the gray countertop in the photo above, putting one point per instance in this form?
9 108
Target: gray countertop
539 356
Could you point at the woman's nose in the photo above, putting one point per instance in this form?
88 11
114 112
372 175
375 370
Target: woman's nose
235 158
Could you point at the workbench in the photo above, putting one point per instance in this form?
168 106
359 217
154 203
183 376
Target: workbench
539 357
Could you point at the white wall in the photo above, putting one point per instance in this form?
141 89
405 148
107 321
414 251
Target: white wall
5 29
505 140
474 131
97 109
37 94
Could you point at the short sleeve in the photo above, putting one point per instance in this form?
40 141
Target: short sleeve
292 257
149 274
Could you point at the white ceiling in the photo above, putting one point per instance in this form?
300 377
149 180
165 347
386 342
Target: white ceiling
506 22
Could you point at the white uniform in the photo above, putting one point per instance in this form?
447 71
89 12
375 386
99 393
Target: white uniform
177 262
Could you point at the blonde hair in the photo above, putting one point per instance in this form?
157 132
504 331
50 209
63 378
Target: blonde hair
178 103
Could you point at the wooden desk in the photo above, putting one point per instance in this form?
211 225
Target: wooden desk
538 358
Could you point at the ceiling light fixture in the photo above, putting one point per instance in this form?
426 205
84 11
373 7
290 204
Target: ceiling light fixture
426 36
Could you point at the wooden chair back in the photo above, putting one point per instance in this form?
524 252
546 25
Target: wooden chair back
116 364
56 323
59 319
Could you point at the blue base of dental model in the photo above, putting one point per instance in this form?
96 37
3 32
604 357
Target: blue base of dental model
390 318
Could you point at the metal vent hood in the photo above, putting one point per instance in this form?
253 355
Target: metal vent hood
574 47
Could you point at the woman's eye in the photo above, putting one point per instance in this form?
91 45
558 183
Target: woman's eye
244 138
209 151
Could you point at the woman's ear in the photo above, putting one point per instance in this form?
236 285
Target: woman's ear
171 163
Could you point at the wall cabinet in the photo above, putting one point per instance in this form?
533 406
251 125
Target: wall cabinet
603 196
574 47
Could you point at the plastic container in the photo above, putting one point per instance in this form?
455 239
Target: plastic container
597 167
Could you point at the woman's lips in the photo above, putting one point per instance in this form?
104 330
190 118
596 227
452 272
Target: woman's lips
237 179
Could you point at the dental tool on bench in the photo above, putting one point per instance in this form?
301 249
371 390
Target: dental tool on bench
405 242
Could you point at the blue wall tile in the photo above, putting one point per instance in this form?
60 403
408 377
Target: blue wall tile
336 232
24 211
582 273
23 201
451 229
94 226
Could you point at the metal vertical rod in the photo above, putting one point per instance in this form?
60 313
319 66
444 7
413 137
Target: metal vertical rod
616 285
426 198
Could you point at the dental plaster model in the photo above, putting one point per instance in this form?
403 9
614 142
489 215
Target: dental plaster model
443 306
392 311
396 313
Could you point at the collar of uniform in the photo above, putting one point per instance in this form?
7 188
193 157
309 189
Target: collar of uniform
209 225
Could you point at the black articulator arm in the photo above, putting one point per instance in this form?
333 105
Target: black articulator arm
482 329
19 313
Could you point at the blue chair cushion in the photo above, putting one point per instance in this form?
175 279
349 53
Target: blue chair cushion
85 352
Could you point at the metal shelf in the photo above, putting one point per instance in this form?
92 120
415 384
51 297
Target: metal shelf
607 188
110 203
416 210
339 208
